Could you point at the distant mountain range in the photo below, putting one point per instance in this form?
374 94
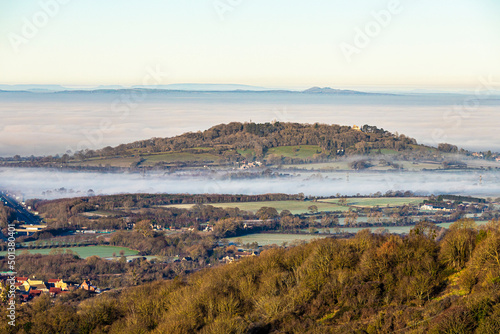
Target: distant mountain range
174 87
183 87
33 88
194 87
328 90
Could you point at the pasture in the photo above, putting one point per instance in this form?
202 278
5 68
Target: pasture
343 165
295 207
151 160
264 239
302 151
83 252
367 202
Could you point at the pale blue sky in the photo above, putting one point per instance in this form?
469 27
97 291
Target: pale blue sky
280 43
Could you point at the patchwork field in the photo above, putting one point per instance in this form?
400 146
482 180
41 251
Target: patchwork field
83 252
295 207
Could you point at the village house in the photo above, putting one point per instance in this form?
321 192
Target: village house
248 165
87 285
28 288
227 259
242 254
58 283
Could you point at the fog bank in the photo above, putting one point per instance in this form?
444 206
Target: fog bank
42 124
50 184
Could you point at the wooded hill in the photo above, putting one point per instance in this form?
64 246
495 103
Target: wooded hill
227 144
272 143
258 138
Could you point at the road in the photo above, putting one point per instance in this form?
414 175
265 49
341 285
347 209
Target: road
22 215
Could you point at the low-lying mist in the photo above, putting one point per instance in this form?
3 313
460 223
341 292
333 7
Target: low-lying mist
42 124
50 184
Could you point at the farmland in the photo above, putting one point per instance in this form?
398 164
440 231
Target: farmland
367 202
302 151
343 165
151 160
295 207
83 252
264 239
148 159
323 205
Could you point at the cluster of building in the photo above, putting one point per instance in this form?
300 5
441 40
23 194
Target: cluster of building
28 288
494 156
237 255
450 207
248 165
429 207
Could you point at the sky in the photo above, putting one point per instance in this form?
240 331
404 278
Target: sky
446 44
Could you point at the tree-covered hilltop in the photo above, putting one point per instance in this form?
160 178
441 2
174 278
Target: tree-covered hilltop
229 144
367 284
332 140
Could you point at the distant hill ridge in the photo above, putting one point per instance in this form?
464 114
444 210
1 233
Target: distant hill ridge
172 88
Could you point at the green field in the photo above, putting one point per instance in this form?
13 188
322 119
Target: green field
264 239
83 252
246 151
302 151
325 166
385 151
150 159
115 162
295 207
178 157
367 202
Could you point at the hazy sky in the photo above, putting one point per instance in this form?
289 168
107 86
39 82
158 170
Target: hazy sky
280 43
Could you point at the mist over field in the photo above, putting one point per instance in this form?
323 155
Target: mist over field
50 184
53 123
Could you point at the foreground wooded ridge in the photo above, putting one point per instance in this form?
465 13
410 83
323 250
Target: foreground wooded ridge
367 284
